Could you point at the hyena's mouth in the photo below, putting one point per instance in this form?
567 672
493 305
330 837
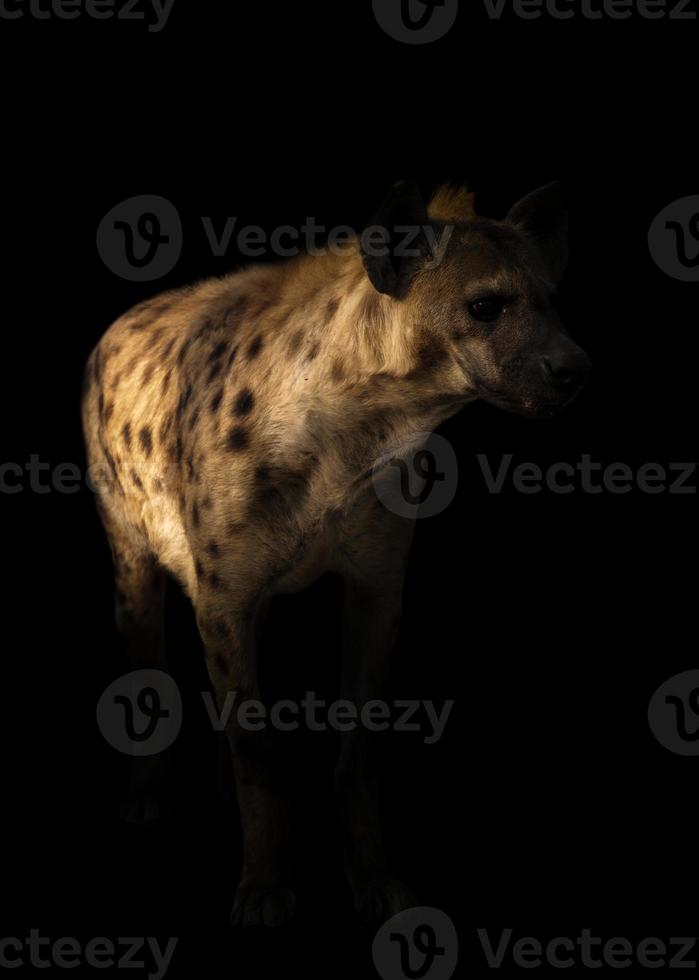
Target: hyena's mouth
528 405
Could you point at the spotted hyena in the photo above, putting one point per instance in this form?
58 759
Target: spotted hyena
241 419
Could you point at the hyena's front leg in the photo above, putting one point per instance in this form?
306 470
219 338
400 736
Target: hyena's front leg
139 605
371 618
264 895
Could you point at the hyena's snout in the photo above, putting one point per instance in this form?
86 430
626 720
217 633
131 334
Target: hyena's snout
543 380
565 368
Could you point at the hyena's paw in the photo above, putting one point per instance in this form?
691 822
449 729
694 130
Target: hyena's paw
150 797
263 905
381 899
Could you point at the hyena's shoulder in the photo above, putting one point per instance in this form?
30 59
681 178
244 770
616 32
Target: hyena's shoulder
187 377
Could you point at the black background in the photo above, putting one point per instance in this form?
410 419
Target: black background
550 620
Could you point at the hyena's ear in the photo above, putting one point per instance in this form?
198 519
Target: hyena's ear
544 217
451 203
395 245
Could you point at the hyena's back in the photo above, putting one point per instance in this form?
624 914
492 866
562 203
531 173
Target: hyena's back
181 390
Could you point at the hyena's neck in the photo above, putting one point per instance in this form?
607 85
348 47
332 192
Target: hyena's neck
368 354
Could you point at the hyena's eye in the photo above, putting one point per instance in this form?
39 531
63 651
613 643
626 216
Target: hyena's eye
486 310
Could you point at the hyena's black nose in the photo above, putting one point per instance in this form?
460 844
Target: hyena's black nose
566 368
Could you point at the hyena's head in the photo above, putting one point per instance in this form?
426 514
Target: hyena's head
484 290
